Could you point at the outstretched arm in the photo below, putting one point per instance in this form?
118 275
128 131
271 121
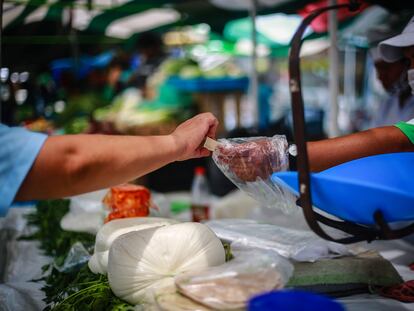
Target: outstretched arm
330 152
74 164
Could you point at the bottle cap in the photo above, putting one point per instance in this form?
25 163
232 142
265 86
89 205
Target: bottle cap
292 300
199 170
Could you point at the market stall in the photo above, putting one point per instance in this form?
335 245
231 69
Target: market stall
130 247
63 276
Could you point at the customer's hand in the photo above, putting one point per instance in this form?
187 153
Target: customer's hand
189 136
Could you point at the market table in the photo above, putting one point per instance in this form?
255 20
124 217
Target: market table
18 293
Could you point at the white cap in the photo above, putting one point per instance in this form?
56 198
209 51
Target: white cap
391 49
375 54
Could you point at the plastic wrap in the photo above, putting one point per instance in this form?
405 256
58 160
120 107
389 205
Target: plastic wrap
231 285
299 245
249 164
168 299
77 257
20 262
127 200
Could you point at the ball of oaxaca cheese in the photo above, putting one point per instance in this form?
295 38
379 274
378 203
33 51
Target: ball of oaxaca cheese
144 261
113 229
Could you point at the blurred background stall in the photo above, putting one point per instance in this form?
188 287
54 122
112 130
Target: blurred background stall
142 67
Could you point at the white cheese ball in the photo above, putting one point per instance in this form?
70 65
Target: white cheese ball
143 261
113 229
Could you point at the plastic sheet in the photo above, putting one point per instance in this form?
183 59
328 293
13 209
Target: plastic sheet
86 213
21 261
231 285
299 245
249 164
235 204
17 255
21 296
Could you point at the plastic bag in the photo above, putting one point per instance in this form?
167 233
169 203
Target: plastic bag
168 299
231 285
77 256
299 245
249 164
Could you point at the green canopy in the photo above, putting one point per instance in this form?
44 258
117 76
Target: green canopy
100 14
273 30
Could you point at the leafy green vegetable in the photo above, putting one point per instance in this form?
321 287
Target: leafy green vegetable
78 289
76 125
54 241
81 290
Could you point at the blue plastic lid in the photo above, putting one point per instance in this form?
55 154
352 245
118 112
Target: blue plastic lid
291 300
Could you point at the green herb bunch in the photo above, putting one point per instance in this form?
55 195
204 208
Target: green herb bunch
54 241
81 290
78 289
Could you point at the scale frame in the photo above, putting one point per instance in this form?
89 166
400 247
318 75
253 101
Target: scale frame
355 232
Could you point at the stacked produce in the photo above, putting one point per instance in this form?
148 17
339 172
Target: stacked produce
187 68
128 110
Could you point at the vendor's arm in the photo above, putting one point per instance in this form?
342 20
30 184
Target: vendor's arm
330 152
73 164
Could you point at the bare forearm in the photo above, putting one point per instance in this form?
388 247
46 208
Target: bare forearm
330 152
74 164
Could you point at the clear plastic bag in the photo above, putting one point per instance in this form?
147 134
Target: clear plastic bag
231 285
299 245
249 164
168 299
77 256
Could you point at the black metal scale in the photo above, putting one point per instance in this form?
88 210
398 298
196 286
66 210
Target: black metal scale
355 232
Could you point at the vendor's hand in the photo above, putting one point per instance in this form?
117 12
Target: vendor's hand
250 160
189 136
